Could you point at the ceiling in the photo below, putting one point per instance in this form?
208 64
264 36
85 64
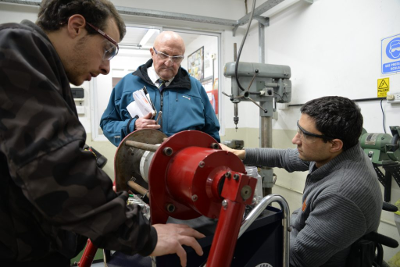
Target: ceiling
134 36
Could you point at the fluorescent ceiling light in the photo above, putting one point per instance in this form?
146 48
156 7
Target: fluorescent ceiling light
283 5
147 36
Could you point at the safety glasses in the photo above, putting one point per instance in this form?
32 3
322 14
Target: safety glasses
304 134
113 50
163 56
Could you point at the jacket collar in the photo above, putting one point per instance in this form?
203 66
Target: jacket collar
36 28
181 80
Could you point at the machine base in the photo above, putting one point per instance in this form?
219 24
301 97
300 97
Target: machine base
261 244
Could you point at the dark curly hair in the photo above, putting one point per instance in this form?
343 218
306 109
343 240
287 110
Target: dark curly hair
54 13
336 117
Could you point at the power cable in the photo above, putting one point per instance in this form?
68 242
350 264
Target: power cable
241 46
384 118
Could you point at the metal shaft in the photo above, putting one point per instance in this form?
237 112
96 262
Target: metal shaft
266 141
143 146
235 114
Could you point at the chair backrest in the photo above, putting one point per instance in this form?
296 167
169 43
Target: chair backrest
368 250
362 253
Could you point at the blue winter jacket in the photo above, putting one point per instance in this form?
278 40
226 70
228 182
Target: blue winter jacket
185 106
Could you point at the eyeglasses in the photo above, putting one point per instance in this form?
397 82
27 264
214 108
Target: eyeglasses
304 134
111 52
163 56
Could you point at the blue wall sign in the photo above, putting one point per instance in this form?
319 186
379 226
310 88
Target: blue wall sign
390 54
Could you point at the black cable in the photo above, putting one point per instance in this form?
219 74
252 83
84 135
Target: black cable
355 100
281 96
241 46
384 119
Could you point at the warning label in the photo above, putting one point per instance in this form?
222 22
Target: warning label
383 87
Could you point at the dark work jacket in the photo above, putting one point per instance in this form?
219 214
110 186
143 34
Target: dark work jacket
51 190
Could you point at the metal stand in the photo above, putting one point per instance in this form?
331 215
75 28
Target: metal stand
253 215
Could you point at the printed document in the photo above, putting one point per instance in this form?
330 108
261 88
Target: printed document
141 106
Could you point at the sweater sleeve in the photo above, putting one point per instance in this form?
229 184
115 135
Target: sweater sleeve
42 143
332 225
281 158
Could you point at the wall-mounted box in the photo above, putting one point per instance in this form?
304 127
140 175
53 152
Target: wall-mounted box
78 92
393 97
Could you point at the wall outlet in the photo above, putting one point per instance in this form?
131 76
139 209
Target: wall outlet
393 97
80 110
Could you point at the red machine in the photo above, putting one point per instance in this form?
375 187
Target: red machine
190 176
187 175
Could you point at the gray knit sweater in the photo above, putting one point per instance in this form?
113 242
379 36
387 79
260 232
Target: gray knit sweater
342 201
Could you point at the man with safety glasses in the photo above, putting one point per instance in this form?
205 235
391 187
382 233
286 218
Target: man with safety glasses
179 100
52 194
342 199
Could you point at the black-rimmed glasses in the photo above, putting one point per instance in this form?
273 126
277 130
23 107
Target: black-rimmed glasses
111 52
304 133
163 56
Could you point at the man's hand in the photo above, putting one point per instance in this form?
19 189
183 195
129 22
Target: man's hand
146 123
171 237
240 153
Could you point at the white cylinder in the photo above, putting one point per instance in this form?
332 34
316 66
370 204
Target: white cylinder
253 172
145 162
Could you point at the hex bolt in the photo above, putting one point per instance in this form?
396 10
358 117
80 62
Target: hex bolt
236 177
225 204
195 198
228 175
246 192
168 151
170 208
214 146
201 164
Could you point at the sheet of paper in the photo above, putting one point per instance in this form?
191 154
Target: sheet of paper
134 110
140 106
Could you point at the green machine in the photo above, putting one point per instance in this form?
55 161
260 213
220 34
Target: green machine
384 151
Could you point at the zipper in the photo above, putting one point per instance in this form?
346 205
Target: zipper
161 107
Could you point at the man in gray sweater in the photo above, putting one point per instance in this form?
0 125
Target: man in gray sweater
342 200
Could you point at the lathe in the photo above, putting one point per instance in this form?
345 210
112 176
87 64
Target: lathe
188 176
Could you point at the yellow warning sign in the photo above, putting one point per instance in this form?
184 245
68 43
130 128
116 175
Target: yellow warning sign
383 87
